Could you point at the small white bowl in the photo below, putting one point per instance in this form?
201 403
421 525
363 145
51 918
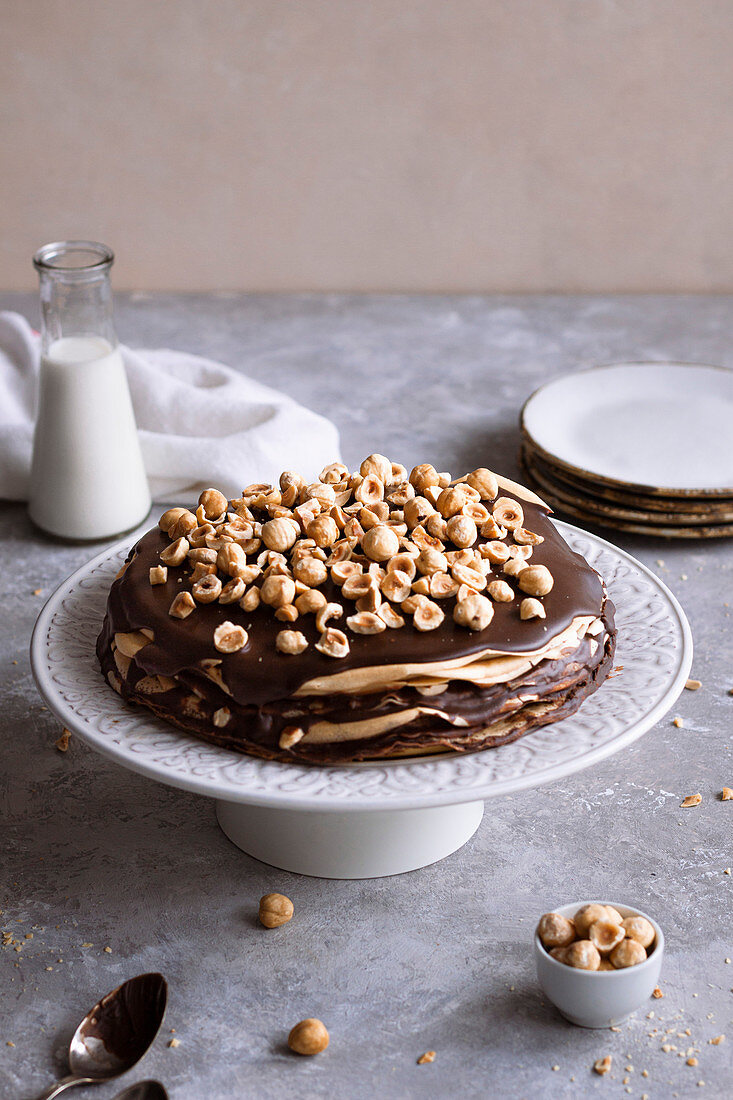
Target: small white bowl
599 998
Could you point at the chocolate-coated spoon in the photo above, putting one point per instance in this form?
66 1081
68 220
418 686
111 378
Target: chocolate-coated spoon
143 1090
115 1034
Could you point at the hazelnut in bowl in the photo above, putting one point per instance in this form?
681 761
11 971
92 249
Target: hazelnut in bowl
598 962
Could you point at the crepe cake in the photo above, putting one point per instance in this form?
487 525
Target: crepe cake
368 615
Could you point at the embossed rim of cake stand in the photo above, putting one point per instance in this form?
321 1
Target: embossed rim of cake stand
654 648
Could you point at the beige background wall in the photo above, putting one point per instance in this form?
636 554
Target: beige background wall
372 144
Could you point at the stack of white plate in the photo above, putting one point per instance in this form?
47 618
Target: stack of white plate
643 447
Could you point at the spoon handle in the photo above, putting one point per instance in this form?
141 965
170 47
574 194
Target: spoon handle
62 1085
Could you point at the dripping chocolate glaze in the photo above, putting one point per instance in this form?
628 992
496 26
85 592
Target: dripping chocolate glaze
259 674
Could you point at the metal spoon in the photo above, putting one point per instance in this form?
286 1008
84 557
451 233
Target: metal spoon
115 1034
143 1090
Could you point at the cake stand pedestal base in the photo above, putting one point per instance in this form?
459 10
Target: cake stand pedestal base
349 845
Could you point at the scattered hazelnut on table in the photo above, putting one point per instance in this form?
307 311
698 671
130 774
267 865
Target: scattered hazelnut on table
603 1065
63 742
308 1037
426 1058
275 909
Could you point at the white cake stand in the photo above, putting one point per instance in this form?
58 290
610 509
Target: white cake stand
364 820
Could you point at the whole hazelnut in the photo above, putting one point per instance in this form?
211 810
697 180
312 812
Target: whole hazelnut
588 915
485 482
461 530
323 530
536 580
583 955
279 534
628 953
378 466
277 590
380 543
308 1037
474 612
555 931
275 909
423 476
213 503
639 929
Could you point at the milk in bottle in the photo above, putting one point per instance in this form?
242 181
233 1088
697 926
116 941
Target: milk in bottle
87 480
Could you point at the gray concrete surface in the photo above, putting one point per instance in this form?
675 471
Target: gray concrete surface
94 856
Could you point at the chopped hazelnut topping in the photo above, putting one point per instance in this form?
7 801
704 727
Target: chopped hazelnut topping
523 537
207 589
182 606
501 591
291 642
389 616
427 616
333 643
508 513
532 609
366 622
229 638
175 554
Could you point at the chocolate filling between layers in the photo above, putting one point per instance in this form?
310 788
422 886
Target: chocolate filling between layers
492 716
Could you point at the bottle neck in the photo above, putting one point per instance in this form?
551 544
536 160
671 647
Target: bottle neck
75 292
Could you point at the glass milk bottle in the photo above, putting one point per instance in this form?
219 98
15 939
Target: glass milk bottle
87 478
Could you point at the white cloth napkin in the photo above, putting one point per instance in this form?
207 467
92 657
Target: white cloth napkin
199 423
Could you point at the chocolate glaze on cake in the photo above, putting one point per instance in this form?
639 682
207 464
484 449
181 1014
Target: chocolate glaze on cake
541 669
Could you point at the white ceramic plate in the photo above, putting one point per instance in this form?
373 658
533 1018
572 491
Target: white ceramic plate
654 647
662 426
639 523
